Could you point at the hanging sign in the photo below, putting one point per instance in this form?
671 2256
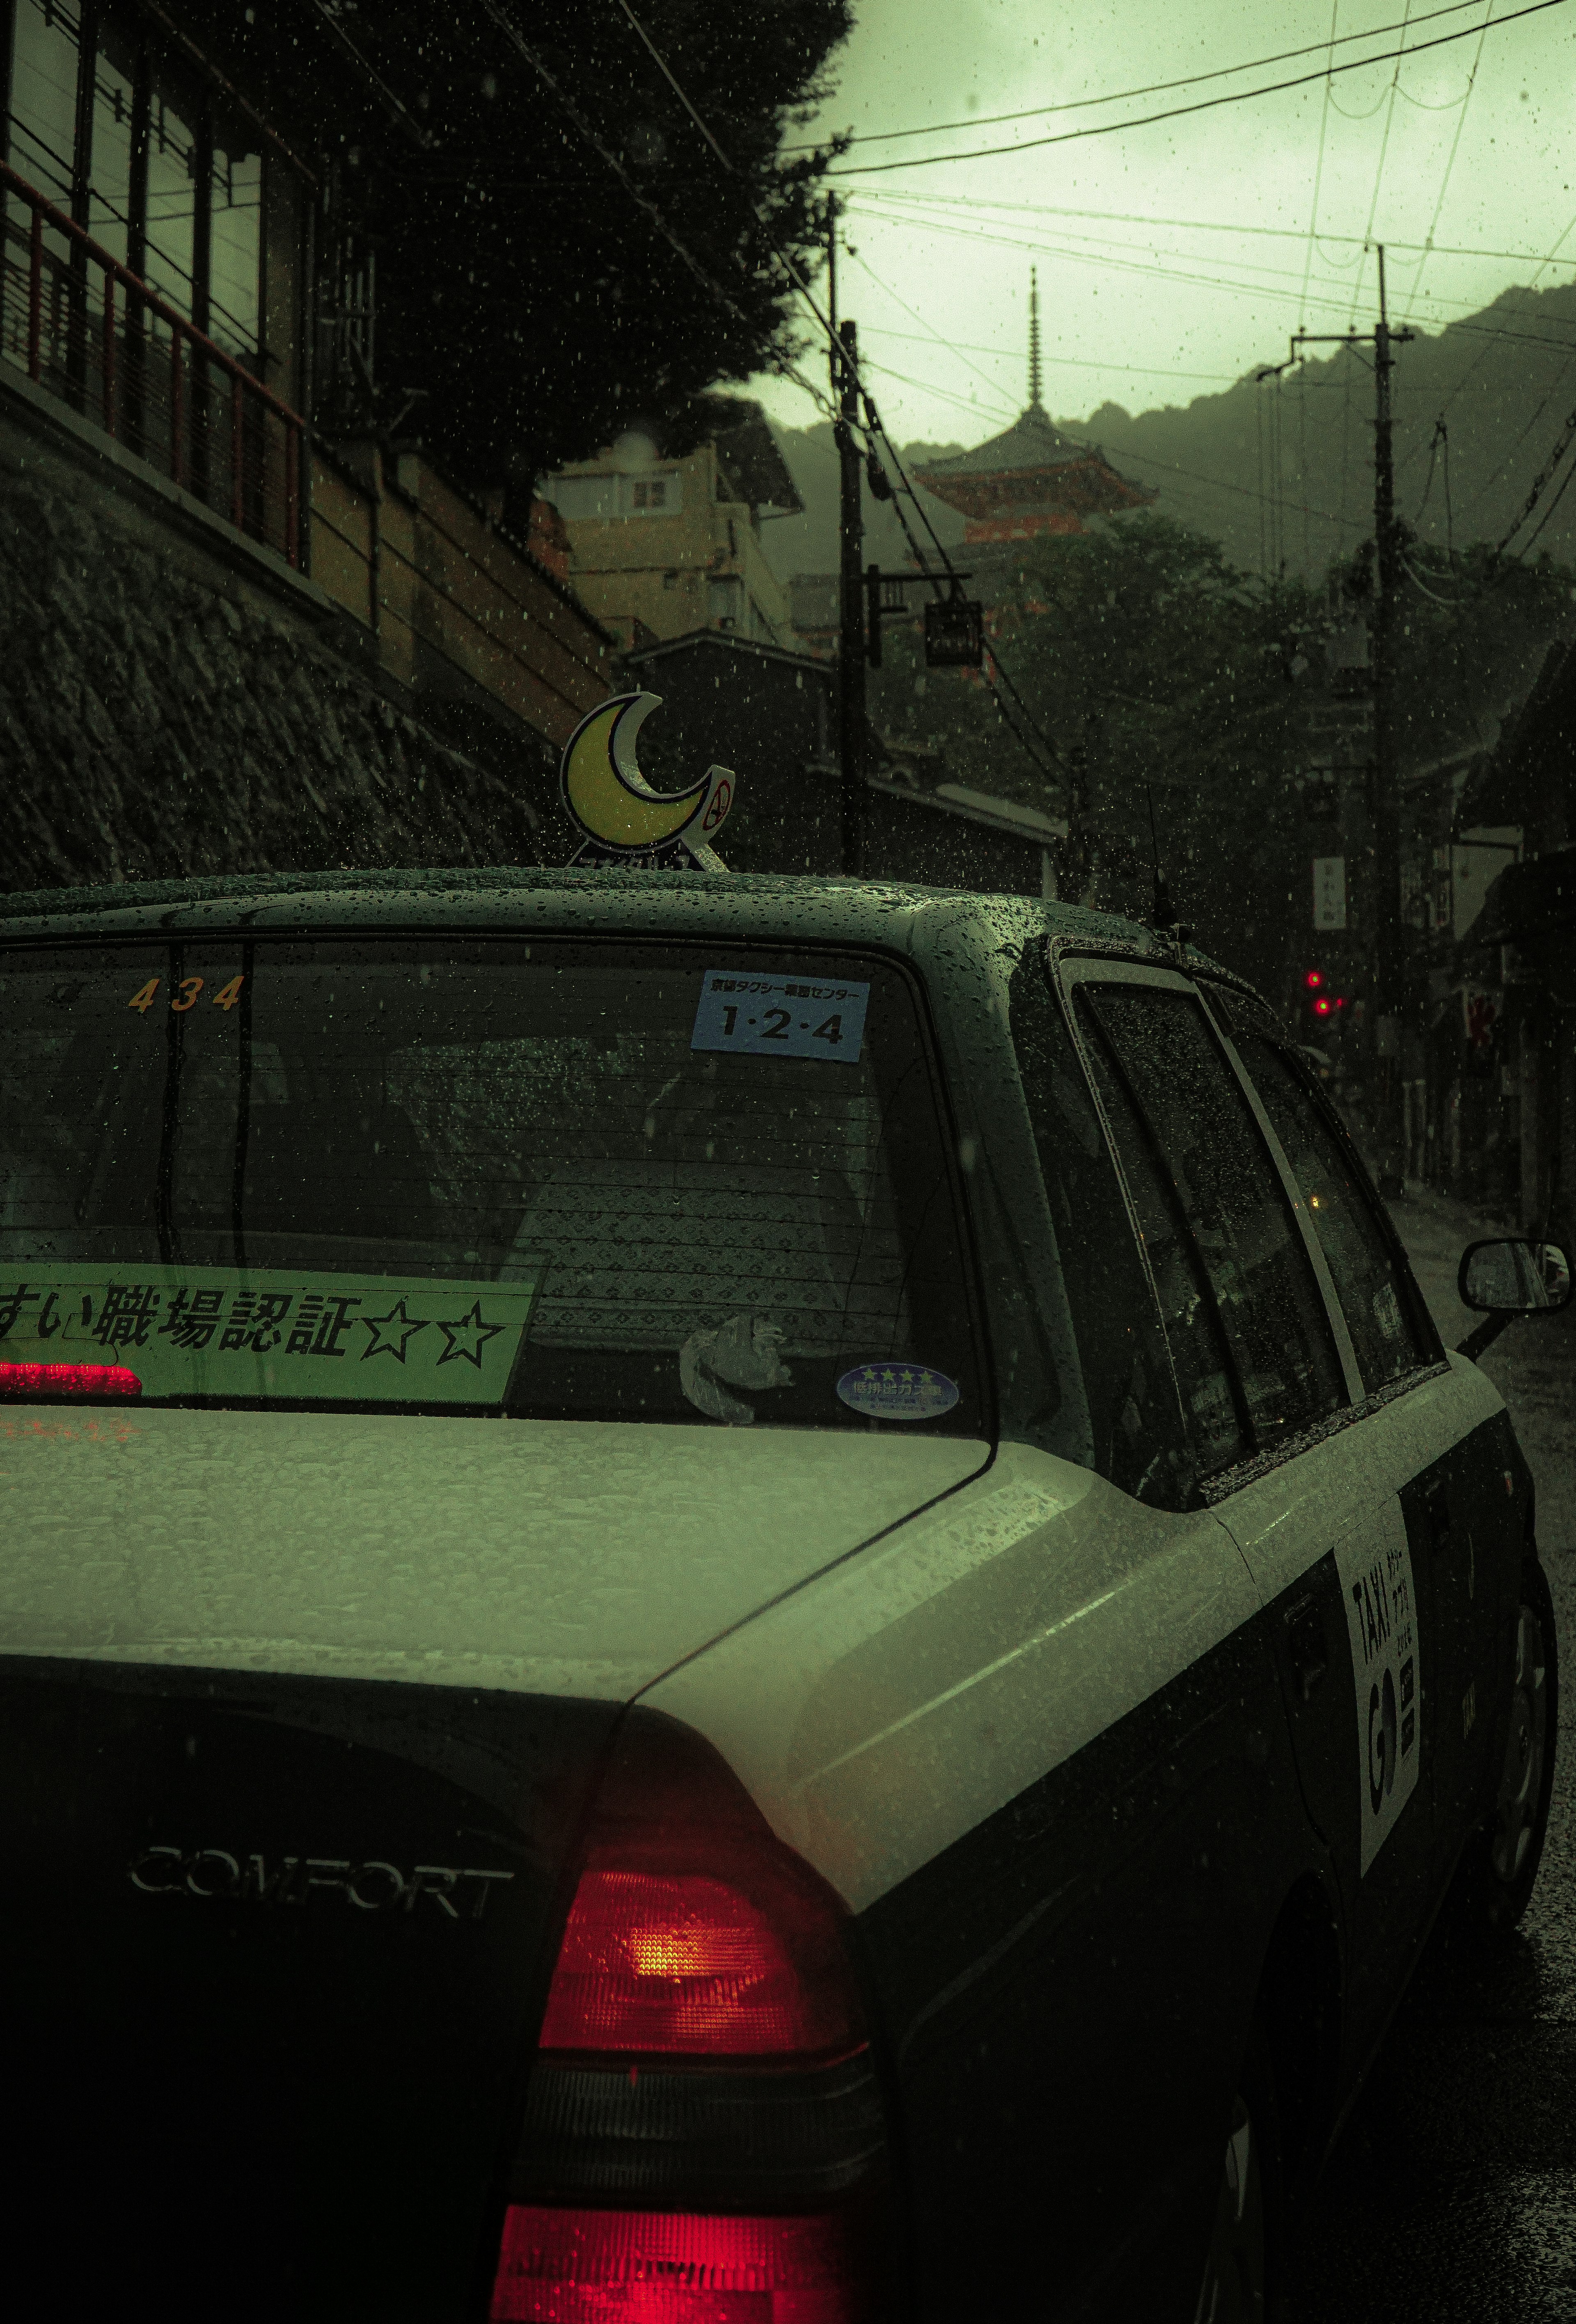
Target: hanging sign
624 820
1330 892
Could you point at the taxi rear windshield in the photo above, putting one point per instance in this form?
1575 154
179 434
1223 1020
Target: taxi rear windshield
584 1180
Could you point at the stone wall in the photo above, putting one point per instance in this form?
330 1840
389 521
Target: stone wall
170 704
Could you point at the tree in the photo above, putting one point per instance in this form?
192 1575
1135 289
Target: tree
1158 674
1164 678
530 290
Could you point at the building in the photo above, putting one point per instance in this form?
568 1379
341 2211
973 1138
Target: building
1031 484
249 621
664 533
1503 1039
770 715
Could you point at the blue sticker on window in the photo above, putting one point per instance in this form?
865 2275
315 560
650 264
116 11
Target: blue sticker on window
781 1017
897 1391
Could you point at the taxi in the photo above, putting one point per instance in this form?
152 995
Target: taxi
746 1599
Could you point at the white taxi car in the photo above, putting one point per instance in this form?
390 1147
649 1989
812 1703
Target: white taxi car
725 1600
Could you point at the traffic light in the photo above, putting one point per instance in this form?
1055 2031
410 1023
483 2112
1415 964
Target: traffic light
1324 1002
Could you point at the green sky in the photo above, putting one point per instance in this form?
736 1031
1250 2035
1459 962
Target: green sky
1153 313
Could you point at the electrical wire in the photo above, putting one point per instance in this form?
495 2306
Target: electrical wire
1373 208
1483 356
1566 437
1555 384
936 340
1073 362
648 208
1319 164
1434 444
1527 546
908 200
1120 96
1411 300
873 416
1175 112
1100 255
1419 583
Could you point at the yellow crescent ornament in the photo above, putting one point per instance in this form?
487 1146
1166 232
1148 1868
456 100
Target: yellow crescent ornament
625 820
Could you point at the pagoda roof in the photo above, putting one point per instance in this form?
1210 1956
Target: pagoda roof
1031 442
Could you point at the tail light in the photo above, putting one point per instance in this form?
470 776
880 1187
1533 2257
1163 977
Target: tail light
68 1380
704 2138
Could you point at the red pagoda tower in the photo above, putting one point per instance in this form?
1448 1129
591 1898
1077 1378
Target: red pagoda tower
1031 482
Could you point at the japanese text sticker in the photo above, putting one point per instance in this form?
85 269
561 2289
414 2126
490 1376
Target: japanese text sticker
781 1017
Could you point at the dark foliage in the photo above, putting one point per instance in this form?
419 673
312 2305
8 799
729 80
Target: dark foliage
1164 677
523 290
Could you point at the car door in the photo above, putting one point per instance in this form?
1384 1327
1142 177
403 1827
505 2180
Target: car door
1462 1514
1271 1376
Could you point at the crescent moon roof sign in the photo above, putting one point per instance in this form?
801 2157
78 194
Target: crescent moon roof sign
624 820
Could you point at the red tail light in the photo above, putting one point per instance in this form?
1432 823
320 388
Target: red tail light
68 1379
704 2055
691 1964
664 2267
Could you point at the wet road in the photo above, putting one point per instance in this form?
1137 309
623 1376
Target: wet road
1452 2196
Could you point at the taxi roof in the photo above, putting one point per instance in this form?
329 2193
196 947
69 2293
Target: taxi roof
892 914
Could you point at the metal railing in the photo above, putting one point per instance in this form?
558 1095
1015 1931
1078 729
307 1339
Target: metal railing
88 330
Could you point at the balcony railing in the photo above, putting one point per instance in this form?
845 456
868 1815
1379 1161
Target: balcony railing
88 330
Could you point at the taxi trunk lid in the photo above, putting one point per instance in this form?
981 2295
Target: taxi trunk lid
300 1713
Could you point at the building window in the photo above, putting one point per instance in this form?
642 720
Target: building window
725 600
581 499
650 496
163 170
588 499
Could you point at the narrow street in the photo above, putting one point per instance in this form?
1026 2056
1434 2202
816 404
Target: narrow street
1452 2193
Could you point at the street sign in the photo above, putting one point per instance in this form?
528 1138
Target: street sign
1330 892
955 633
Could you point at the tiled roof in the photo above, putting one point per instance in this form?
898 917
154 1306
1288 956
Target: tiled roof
1031 442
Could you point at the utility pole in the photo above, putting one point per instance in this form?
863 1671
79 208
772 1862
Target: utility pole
1384 800
1384 942
852 733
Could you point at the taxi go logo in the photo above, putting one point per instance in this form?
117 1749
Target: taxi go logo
1375 1565
624 820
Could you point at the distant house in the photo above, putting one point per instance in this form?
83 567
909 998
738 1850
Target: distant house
770 714
664 540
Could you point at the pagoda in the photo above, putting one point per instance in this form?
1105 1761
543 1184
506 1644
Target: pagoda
1031 483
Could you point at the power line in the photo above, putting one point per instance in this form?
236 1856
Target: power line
1449 167
1070 363
1175 112
1483 356
841 346
1256 290
1319 164
1373 209
1540 482
1527 546
642 201
1120 96
1101 256
1555 384
1192 225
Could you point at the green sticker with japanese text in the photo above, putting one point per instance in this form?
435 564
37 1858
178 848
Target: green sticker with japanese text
226 1332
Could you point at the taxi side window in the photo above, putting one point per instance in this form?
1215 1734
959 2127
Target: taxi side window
1215 1420
1376 1301
1139 1441
1231 1194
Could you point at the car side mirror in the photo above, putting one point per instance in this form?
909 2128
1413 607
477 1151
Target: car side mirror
1514 1277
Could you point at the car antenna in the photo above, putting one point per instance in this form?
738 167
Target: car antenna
1163 911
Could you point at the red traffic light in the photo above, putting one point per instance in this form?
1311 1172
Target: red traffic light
1322 1006
1314 979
